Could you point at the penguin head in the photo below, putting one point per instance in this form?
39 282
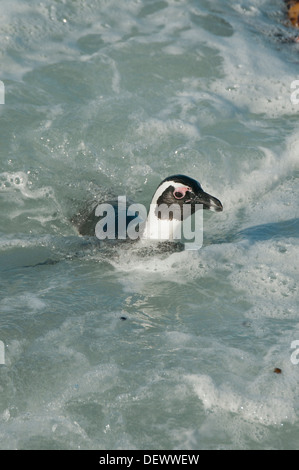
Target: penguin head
179 191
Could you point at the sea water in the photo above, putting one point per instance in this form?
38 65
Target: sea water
110 348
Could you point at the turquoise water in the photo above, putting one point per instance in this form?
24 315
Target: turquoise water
122 350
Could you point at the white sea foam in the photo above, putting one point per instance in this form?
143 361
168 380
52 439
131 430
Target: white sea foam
19 181
275 409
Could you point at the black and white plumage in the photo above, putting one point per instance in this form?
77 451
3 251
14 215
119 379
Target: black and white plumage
177 192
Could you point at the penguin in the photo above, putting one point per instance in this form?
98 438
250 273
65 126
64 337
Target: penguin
176 198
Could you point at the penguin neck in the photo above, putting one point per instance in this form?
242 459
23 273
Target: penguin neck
161 229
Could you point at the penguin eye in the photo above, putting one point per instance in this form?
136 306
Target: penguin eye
179 193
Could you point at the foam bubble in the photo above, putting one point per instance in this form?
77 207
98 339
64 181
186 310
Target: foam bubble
161 128
257 77
252 407
19 181
30 302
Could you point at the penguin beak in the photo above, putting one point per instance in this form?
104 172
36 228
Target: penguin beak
208 201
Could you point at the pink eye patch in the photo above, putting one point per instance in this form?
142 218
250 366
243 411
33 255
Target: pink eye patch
180 193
